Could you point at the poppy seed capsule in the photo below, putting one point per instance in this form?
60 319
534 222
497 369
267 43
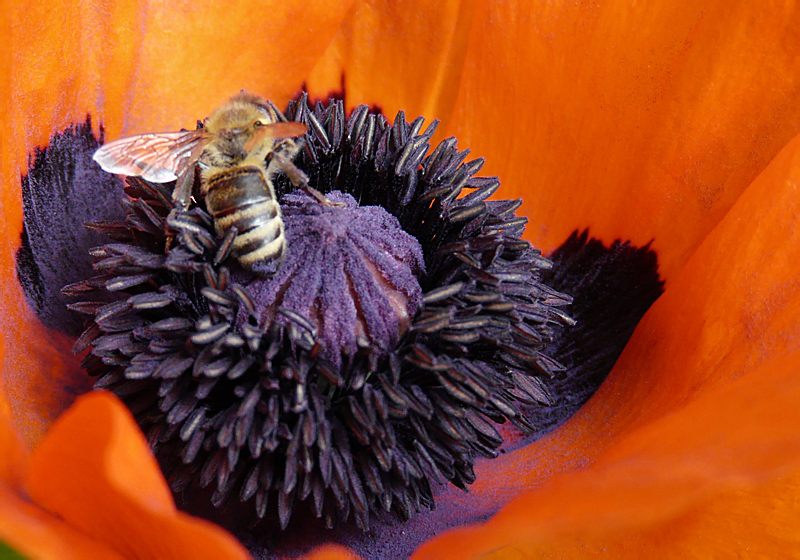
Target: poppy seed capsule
402 325
351 272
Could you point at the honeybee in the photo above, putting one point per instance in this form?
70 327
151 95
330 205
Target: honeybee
238 151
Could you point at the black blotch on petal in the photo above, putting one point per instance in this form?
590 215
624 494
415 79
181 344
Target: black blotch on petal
612 288
63 189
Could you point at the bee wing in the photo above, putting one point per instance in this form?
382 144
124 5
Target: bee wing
159 157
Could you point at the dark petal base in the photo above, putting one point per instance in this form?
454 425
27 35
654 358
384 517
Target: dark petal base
63 189
612 288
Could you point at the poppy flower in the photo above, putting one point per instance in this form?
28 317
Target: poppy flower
672 127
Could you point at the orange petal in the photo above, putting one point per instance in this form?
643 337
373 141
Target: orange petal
26 527
720 447
40 375
150 66
15 454
36 533
94 459
731 310
400 56
638 122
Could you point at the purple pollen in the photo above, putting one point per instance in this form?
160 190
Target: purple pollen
351 270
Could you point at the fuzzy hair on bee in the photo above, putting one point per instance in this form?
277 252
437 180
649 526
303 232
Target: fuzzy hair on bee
238 151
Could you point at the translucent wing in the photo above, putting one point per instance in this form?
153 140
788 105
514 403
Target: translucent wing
276 131
159 157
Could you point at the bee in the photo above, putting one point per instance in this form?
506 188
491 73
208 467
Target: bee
238 150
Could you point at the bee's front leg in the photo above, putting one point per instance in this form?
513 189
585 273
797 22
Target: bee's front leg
181 197
300 179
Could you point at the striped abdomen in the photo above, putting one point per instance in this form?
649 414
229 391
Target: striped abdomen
244 197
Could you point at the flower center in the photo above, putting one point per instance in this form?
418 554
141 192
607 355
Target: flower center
375 360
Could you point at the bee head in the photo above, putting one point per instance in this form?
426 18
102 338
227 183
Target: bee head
241 115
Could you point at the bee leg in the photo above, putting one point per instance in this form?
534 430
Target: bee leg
181 197
182 194
300 179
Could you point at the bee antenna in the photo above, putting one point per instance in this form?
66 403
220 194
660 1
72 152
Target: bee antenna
270 106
